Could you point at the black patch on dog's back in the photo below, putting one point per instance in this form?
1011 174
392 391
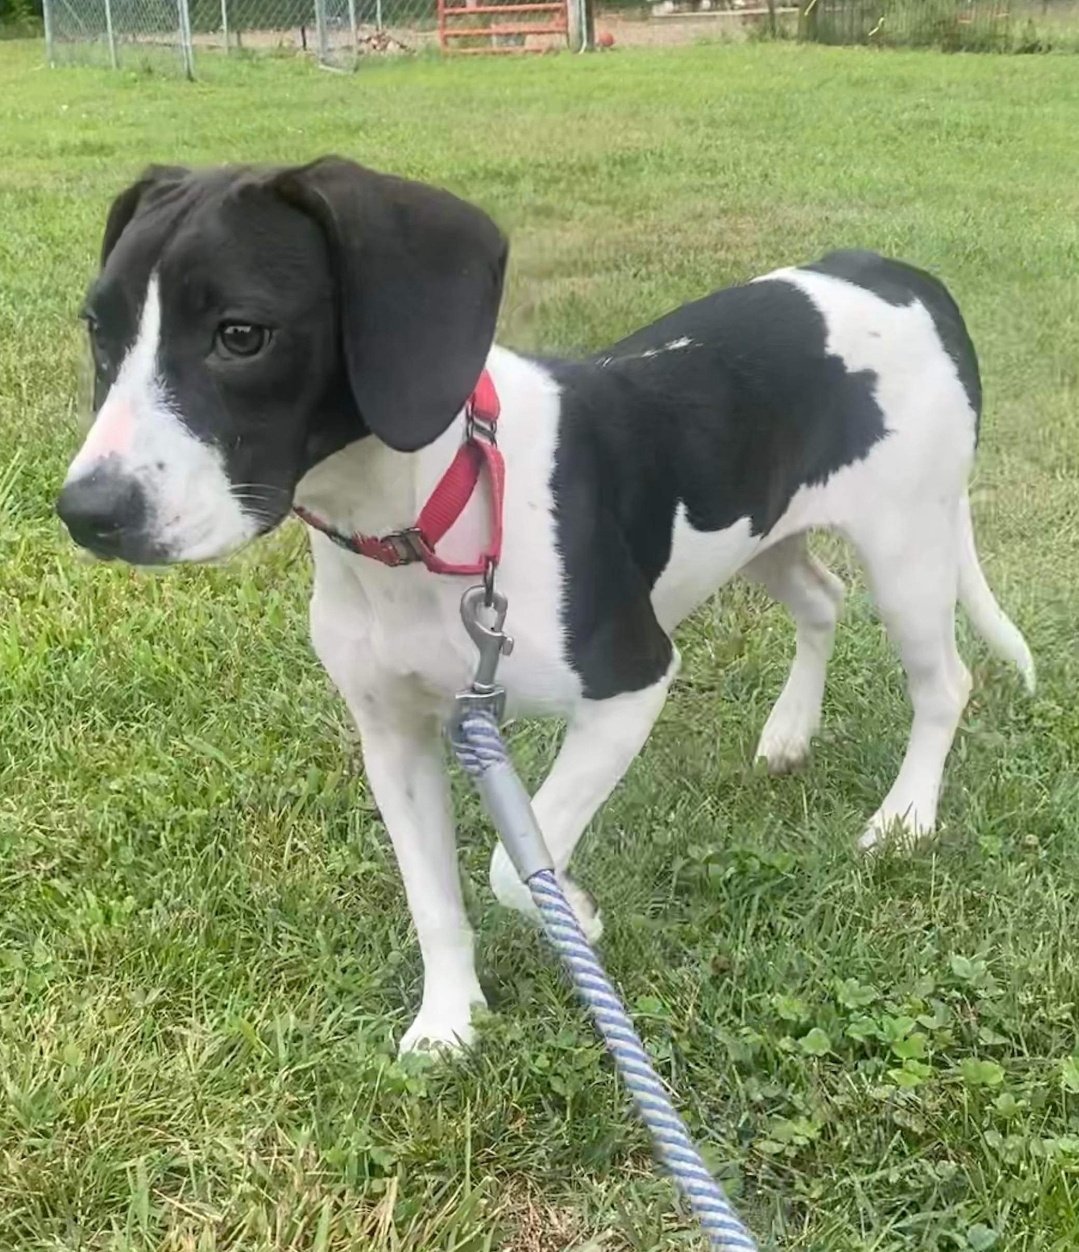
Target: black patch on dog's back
730 424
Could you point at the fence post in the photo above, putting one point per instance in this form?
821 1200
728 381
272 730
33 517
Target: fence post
113 60
354 28
46 15
582 25
322 34
225 24
187 51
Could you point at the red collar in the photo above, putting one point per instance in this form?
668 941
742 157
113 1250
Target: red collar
446 503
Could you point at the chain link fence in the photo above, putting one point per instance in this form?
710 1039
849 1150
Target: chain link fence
340 33
175 33
111 32
951 25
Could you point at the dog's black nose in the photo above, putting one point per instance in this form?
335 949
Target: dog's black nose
104 511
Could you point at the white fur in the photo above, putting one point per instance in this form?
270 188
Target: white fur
700 562
194 514
393 643
813 596
901 507
603 738
674 346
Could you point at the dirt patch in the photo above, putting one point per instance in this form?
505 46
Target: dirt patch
540 1226
718 25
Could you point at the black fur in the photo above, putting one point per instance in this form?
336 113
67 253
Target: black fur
419 281
730 427
380 294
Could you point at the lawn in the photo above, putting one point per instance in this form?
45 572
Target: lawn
205 958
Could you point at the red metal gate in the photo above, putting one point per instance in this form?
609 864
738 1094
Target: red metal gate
538 27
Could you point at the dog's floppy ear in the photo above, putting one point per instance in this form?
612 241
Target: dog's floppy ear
419 275
126 204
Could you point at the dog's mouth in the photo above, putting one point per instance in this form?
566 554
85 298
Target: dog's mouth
266 505
137 550
143 551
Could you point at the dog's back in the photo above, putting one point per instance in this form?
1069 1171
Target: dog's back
795 400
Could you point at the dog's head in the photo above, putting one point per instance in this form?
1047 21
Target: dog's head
246 323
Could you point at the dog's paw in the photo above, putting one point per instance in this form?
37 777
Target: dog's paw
902 831
788 733
441 1029
511 893
783 756
589 918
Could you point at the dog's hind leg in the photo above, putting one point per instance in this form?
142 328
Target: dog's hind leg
600 744
912 563
813 595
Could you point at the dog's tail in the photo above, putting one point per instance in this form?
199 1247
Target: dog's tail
986 615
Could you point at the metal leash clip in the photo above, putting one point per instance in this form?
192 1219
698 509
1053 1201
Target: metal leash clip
485 695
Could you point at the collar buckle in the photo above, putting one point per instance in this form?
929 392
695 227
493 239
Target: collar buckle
408 546
481 427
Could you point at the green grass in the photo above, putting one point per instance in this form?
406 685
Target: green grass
204 951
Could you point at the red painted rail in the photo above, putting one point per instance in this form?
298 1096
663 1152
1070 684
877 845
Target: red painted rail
455 23
457 11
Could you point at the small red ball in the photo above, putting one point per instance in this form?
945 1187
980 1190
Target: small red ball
605 39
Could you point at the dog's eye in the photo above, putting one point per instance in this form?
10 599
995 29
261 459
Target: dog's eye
241 338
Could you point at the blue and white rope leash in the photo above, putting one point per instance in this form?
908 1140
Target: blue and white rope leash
482 754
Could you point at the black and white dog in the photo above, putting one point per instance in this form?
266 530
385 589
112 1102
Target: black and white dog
310 336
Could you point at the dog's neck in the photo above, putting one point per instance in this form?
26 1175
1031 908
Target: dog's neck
367 488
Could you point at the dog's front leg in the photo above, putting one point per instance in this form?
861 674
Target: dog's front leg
406 771
601 742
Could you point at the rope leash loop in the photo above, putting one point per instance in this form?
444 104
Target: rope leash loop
481 753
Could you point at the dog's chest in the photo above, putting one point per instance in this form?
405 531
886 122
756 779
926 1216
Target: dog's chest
397 635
